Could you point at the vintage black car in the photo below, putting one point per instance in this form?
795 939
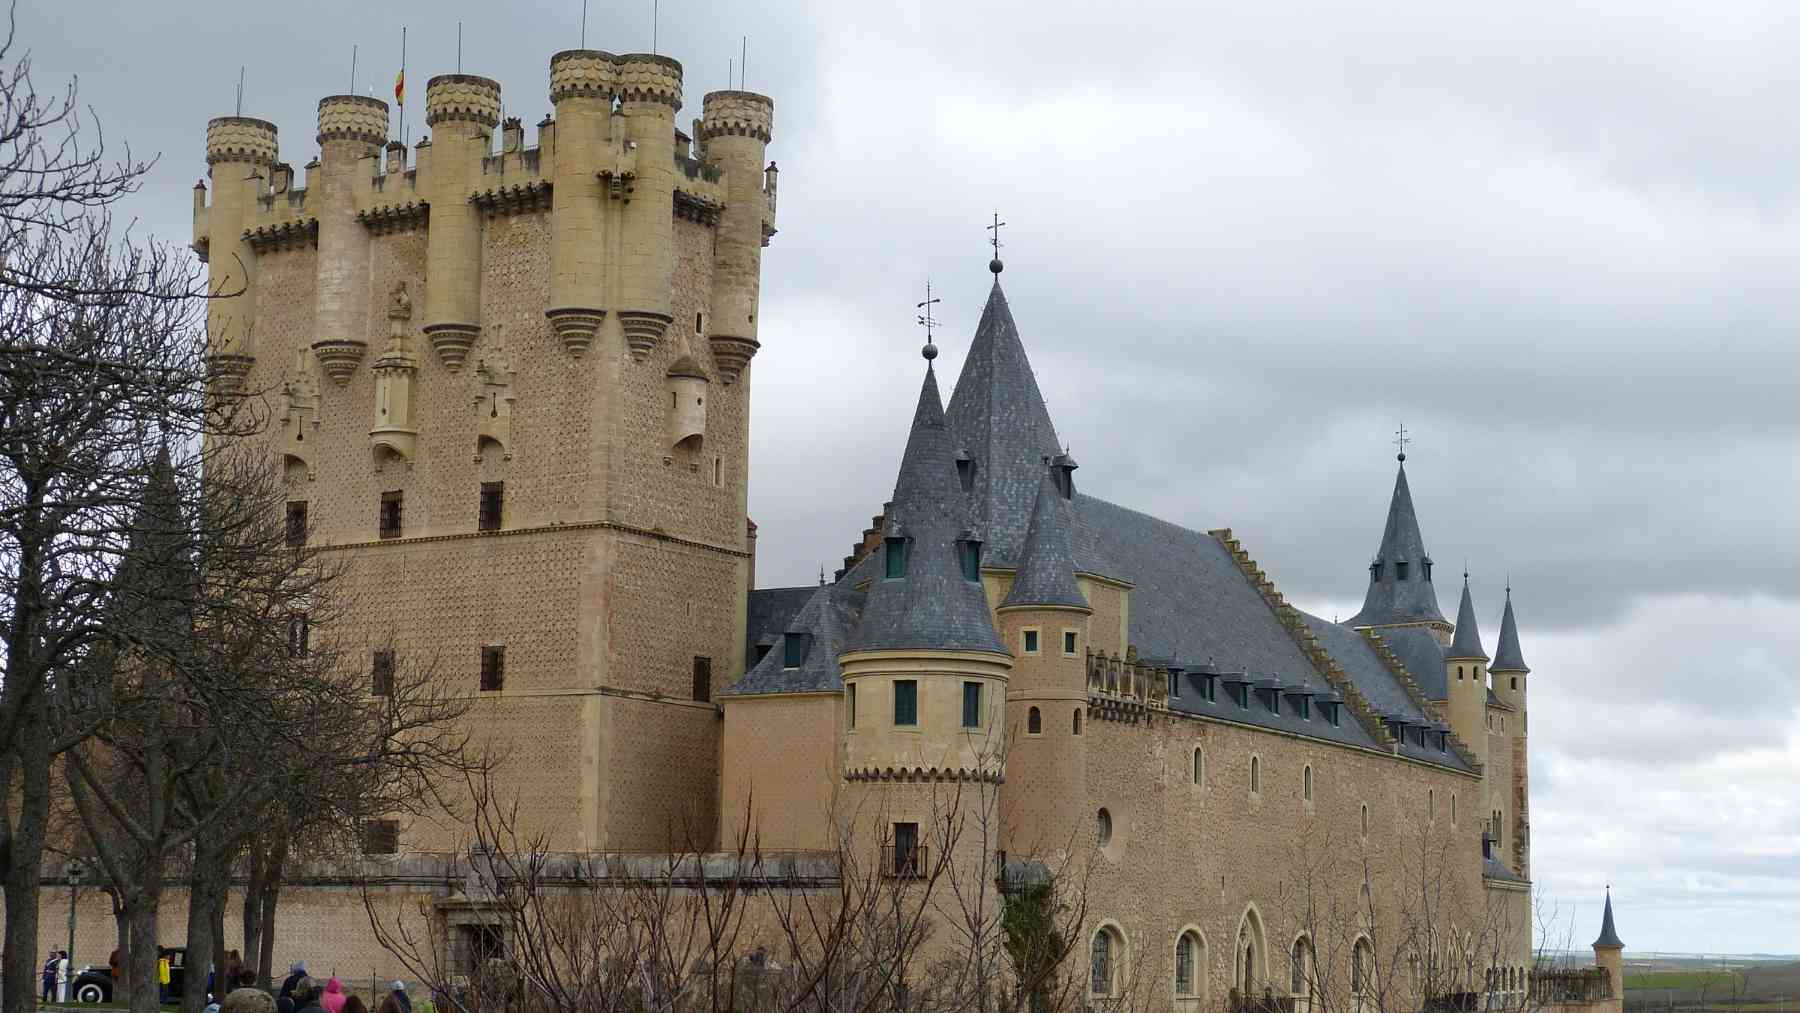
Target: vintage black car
95 984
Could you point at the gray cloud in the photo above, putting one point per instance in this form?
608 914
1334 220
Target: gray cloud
1246 243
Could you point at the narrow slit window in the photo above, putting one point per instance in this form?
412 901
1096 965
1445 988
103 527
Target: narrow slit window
493 668
971 711
850 706
702 679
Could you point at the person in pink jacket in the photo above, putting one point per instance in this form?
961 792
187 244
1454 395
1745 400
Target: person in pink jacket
333 999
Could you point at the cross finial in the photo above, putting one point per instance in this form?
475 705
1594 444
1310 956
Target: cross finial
821 575
1400 442
995 265
927 321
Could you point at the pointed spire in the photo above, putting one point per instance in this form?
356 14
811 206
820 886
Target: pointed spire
1400 588
1507 656
1046 572
929 603
1467 644
154 584
1609 936
997 413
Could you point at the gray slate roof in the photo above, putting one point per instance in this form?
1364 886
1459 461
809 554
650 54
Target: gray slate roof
933 607
1420 651
1378 684
998 416
1507 656
770 612
1493 868
828 616
1609 936
1046 569
1390 599
1467 643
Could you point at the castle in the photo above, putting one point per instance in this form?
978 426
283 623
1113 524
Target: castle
511 383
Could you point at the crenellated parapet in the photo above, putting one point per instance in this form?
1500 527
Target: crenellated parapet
647 77
462 97
737 114
358 118
240 139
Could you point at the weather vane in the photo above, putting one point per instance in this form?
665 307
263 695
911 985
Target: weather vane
927 321
1400 442
995 265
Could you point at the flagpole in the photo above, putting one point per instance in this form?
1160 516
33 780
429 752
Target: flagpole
402 95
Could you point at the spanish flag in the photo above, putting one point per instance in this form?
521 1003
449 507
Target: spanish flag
400 87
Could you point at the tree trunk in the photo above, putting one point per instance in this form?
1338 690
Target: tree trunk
122 924
253 911
142 956
204 897
22 852
269 894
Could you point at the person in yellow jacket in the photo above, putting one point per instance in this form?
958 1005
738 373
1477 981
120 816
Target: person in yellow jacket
162 977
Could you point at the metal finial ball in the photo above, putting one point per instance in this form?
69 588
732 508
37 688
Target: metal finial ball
995 265
929 351
1401 457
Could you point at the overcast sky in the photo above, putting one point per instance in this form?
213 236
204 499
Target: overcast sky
1559 241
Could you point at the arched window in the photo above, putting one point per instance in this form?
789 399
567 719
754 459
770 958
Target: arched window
1248 964
1078 721
1365 819
1108 950
1199 766
1306 782
1362 970
1034 722
1188 952
1255 774
1459 673
1103 827
1453 808
1297 968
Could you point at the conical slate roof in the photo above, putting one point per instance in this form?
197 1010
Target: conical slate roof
997 415
153 588
1468 636
1609 936
1507 656
1046 568
932 607
1390 599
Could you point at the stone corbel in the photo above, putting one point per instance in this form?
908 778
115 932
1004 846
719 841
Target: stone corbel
493 403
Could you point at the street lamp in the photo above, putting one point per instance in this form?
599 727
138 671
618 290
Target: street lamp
72 872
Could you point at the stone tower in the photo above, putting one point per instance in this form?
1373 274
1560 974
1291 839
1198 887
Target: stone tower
1609 953
925 669
509 385
1465 678
1044 620
1509 672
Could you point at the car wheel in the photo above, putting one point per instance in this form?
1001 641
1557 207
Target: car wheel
90 992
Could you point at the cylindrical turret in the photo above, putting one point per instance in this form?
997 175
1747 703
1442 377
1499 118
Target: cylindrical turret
352 129
735 128
239 150
687 401
582 85
1044 806
649 97
462 110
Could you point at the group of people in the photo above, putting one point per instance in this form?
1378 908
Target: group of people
56 976
301 994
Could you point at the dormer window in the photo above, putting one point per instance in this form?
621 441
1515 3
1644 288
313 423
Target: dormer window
1399 569
1426 563
968 553
1375 571
895 551
965 470
793 649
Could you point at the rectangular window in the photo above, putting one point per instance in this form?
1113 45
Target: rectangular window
381 837
971 705
493 667
299 635
1031 641
850 706
476 945
793 649
493 502
1068 643
971 559
896 557
1305 708
296 523
907 859
702 679
906 702
381 674
1174 684
390 513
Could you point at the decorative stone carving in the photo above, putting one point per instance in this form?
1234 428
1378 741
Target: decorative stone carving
731 354
494 401
643 329
395 432
300 410
340 358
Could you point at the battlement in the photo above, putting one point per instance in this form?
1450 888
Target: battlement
358 118
631 77
240 139
736 114
462 97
